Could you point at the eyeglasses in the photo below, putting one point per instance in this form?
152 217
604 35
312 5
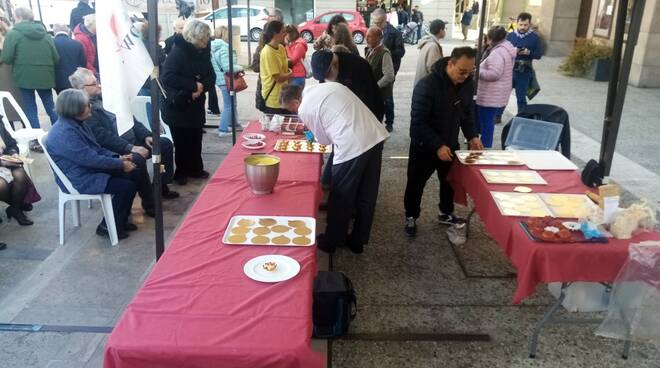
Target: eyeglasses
95 84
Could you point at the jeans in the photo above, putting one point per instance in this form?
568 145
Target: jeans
486 123
521 82
419 31
389 110
30 103
225 117
297 81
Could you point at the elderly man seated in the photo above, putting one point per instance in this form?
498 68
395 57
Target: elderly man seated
91 168
136 141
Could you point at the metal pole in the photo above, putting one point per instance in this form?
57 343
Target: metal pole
231 72
41 16
249 37
617 50
608 146
480 44
152 10
213 16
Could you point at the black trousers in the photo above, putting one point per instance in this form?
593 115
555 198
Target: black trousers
354 186
140 177
213 100
123 192
188 145
421 166
167 157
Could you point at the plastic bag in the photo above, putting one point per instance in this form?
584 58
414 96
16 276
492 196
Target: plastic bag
634 311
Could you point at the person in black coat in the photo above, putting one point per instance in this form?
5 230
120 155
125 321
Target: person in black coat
13 180
137 141
72 57
78 13
442 105
186 75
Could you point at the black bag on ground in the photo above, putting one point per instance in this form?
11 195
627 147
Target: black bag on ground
335 304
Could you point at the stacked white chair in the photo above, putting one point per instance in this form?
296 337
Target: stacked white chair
75 196
22 136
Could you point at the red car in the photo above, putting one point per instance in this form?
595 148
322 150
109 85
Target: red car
312 29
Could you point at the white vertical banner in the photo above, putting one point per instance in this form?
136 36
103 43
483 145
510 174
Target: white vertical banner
124 61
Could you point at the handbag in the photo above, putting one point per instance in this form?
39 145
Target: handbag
239 82
31 194
259 100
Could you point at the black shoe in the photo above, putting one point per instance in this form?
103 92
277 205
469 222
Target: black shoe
36 147
323 206
201 175
389 127
356 248
411 227
323 245
450 219
169 194
3 246
181 180
27 207
102 230
19 216
129 226
149 211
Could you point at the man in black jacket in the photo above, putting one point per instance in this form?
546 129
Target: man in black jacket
442 105
393 40
78 13
72 57
137 141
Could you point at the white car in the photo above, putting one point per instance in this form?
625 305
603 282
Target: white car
258 18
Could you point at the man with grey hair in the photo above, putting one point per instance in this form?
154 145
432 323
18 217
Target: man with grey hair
393 41
31 52
85 33
137 141
72 57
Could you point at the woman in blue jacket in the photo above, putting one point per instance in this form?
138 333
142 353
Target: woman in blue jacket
90 168
220 61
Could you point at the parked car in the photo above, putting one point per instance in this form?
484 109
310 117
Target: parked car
314 28
258 17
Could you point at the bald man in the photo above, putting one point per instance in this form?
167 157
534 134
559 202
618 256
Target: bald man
382 67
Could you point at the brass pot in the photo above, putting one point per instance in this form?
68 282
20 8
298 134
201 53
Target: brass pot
261 171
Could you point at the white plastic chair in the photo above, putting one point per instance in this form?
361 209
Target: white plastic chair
75 196
139 107
22 136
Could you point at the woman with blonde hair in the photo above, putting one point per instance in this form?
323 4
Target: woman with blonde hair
220 62
342 37
186 75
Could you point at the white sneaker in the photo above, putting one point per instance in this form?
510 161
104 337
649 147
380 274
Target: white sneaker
224 134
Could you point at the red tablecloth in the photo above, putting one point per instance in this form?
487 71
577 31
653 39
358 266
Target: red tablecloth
540 262
198 309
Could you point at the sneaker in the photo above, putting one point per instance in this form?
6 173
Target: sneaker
222 133
450 219
389 127
411 227
209 112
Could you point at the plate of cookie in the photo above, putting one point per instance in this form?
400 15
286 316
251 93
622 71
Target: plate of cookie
271 268
283 231
490 157
301 145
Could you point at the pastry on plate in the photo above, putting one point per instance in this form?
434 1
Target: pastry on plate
281 240
267 222
270 266
245 222
239 238
261 231
302 231
302 240
280 228
260 239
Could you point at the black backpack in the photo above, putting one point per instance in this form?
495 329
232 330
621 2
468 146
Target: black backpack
335 304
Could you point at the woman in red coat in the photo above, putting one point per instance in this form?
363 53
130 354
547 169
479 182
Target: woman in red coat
85 33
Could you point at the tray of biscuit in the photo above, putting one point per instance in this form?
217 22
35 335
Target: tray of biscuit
491 157
512 177
271 230
567 205
301 145
520 204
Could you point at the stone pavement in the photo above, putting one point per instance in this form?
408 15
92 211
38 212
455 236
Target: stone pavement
407 290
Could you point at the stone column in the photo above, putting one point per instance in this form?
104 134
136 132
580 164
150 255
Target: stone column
558 24
645 69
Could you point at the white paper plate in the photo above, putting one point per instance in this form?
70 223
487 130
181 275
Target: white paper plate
255 145
287 268
254 137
